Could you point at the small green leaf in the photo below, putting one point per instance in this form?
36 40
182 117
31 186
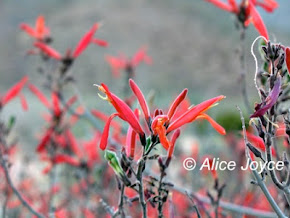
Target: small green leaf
11 122
148 143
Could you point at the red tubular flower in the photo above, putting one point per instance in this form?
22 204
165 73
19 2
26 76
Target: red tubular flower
267 5
80 47
116 64
49 51
45 139
176 103
105 134
247 12
130 142
23 102
13 91
214 124
138 93
39 32
222 5
39 95
140 56
258 142
100 42
90 148
64 158
287 58
257 21
122 62
172 143
191 114
55 104
85 41
73 144
131 139
105 117
124 111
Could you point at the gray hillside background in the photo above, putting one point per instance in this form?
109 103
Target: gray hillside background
192 43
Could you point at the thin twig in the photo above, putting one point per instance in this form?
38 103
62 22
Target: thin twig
107 207
256 63
14 189
243 70
235 208
141 166
256 175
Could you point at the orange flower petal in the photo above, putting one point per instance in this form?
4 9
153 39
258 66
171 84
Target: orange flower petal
257 21
191 114
214 124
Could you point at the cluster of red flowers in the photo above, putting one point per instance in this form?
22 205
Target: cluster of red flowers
83 193
247 13
158 123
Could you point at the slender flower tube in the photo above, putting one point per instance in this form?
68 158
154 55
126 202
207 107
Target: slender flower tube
13 91
259 143
85 41
130 142
141 99
131 139
39 32
213 123
176 103
191 114
124 111
49 51
80 47
287 58
172 143
257 21
247 13
105 134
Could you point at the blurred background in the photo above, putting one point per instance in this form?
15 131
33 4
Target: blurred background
192 43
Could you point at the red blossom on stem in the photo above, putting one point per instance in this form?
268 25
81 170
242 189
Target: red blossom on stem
287 59
122 62
13 92
176 103
124 111
54 105
39 32
172 143
80 47
141 99
191 114
259 143
131 139
247 13
160 124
